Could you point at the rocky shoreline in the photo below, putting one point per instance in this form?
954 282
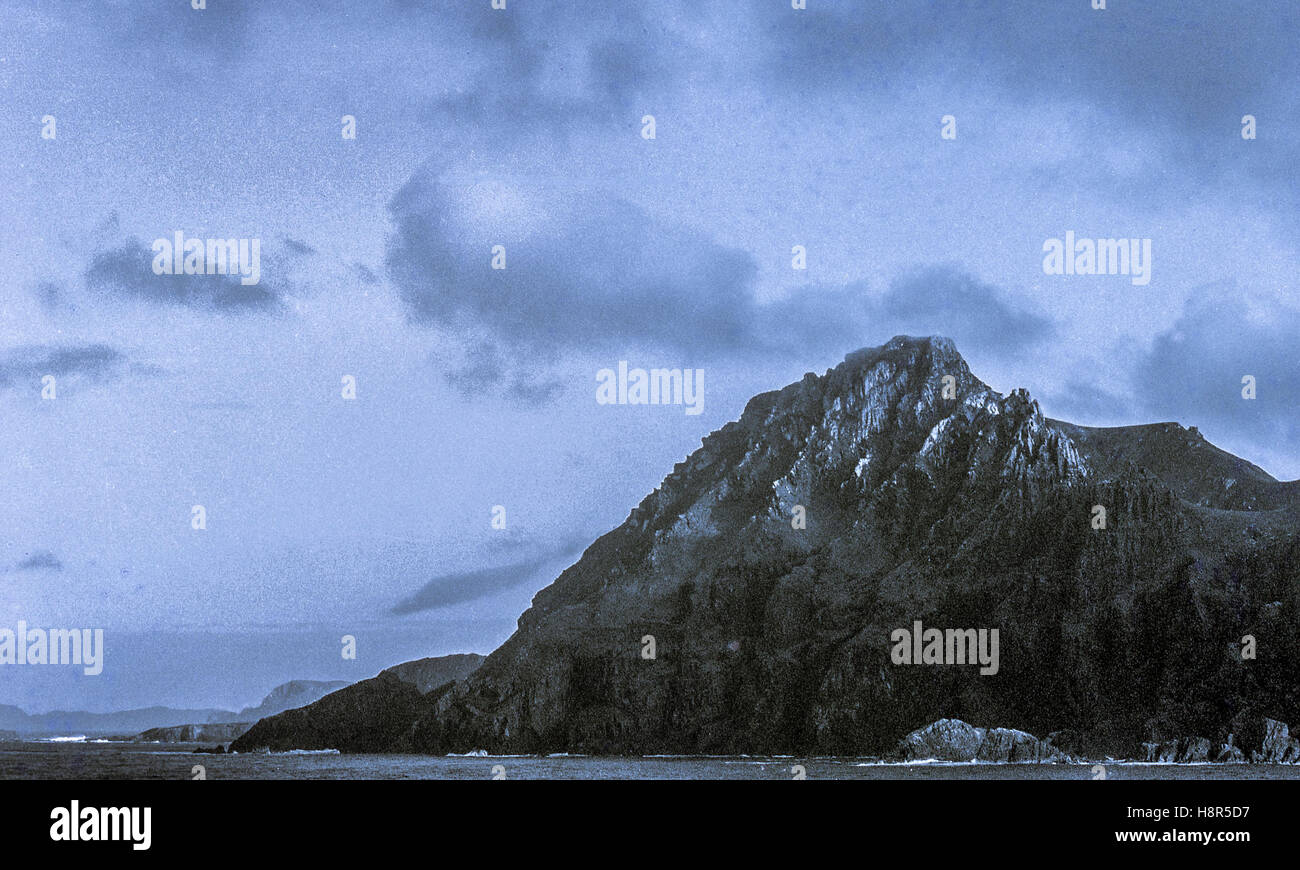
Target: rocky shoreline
1275 746
955 740
213 732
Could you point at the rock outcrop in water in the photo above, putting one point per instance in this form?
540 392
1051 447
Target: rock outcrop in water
218 732
771 566
1277 745
954 740
1264 741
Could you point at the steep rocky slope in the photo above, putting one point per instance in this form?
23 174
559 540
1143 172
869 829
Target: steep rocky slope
430 673
373 715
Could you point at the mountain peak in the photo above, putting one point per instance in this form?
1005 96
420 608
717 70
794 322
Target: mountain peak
769 570
906 349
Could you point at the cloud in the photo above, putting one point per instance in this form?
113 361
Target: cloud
1184 72
485 371
548 69
50 295
590 272
1088 405
929 300
40 560
1193 372
96 362
127 270
1148 61
946 300
173 31
581 270
458 587
534 392
298 248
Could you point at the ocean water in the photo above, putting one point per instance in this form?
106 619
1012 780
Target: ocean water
88 760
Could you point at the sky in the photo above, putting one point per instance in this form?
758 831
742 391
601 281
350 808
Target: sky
526 128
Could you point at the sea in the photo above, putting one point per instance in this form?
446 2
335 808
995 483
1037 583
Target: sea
83 759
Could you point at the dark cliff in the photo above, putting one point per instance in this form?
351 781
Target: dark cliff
374 715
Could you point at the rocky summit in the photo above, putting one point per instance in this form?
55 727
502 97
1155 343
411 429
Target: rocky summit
747 604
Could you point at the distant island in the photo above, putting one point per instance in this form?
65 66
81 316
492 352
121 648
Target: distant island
123 724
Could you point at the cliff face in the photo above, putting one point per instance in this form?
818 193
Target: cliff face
972 510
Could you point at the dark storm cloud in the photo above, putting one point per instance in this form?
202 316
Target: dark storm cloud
97 362
933 300
127 270
592 271
1186 72
1193 373
553 67
1199 65
959 305
40 560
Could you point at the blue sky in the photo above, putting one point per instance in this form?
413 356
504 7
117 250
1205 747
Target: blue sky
775 127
